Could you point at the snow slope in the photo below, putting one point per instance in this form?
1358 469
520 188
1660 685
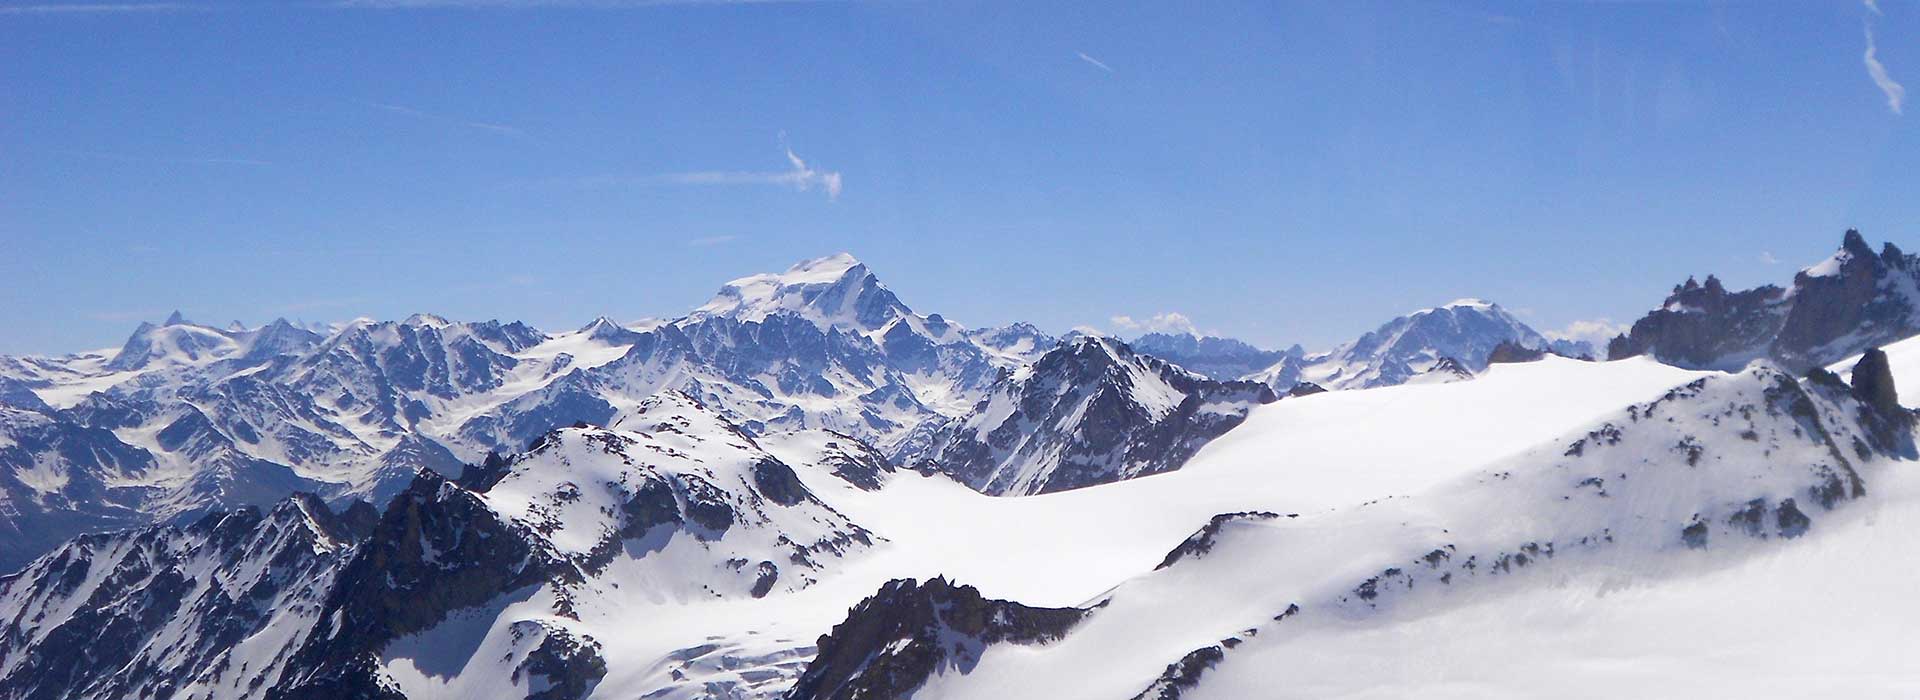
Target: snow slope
1723 473
1298 455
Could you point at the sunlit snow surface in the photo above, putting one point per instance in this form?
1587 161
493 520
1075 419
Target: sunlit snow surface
1309 455
1826 615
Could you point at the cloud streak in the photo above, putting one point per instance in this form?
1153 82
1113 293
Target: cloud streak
1895 92
1094 62
423 115
1595 331
1165 322
802 177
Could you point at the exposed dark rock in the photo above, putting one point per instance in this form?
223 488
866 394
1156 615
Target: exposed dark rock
563 665
778 483
1873 382
1184 674
1201 542
1695 535
437 549
1305 389
1855 300
652 505
1509 351
1791 521
893 641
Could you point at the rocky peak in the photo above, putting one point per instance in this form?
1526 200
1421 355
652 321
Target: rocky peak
1089 411
907 632
1838 307
1513 352
607 331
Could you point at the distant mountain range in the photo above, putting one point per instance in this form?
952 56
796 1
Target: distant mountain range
793 490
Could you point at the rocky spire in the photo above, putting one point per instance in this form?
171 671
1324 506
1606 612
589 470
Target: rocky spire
1873 381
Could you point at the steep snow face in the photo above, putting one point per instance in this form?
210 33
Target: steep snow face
203 611
836 291
1713 473
1853 300
1020 342
177 342
1465 331
1090 412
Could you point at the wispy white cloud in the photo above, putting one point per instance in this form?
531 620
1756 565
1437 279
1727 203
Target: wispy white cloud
1165 322
1094 62
1596 331
77 8
802 177
1895 92
710 241
1766 257
406 111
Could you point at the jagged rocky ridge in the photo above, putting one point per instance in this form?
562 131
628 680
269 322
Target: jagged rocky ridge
1853 300
906 633
1090 411
204 610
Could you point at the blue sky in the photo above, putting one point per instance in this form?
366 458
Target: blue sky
1281 173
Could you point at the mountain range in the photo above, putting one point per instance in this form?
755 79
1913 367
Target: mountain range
804 488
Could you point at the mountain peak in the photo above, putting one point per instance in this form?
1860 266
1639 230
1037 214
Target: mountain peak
175 319
836 290
428 320
825 269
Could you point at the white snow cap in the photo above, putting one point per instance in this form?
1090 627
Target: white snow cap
758 295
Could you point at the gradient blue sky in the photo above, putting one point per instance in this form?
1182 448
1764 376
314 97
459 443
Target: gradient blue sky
1280 173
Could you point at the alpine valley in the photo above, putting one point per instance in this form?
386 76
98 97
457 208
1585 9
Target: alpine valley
808 489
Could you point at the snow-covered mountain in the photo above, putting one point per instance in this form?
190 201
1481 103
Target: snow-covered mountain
676 555
1853 300
806 489
219 418
1210 356
1091 411
1460 334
